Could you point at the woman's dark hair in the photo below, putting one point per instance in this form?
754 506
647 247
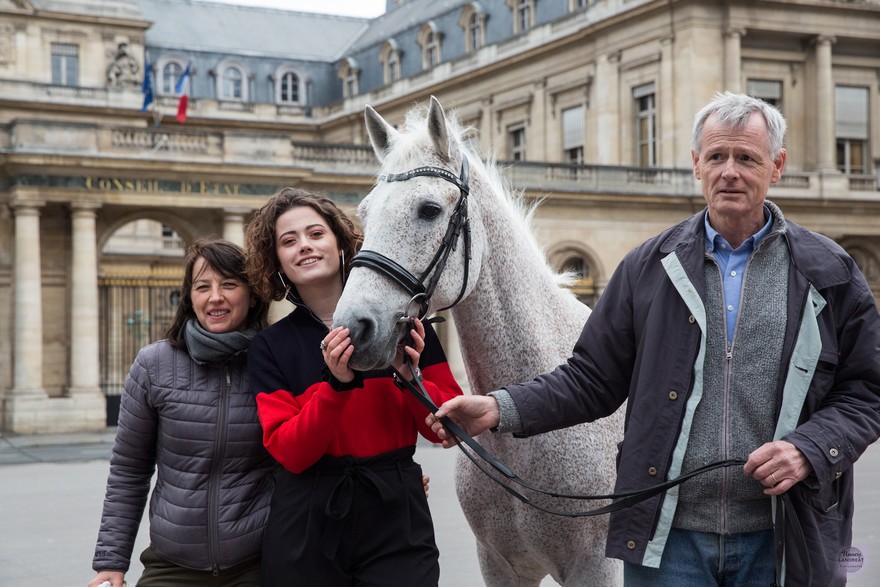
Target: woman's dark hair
228 260
262 262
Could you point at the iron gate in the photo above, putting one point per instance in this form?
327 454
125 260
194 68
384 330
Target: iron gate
133 313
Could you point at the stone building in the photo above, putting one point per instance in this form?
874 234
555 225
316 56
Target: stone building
588 102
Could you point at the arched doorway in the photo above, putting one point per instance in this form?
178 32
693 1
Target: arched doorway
579 264
139 287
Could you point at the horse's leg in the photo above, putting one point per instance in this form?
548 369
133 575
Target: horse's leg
498 572
594 570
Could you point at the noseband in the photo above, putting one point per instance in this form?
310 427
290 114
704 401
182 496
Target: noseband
421 288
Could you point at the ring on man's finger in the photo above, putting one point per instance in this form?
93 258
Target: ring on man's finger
775 482
323 346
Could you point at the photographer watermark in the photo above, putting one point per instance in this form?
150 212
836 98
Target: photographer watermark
851 559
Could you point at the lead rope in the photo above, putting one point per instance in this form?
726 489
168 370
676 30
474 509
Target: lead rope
624 499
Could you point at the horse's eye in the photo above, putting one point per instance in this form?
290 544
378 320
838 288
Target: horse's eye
429 211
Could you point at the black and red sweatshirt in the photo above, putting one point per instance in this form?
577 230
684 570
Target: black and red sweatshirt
304 418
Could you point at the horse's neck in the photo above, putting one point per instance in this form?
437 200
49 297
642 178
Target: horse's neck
517 322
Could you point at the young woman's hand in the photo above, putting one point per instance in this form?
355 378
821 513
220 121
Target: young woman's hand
337 350
413 350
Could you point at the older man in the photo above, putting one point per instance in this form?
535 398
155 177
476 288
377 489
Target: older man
735 334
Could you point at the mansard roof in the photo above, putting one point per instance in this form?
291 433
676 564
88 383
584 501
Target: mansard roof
409 15
197 25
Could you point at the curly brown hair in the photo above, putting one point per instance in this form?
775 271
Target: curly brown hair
262 262
225 258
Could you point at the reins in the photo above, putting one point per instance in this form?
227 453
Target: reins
462 438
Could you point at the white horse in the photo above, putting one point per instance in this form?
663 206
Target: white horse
514 322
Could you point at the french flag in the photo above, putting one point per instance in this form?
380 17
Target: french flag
182 90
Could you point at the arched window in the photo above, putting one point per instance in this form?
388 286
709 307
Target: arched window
429 40
169 73
523 15
288 86
349 73
232 84
473 21
390 58
232 81
578 265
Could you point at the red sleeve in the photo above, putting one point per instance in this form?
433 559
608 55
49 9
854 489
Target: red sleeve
295 434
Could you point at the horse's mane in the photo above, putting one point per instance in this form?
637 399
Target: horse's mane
411 146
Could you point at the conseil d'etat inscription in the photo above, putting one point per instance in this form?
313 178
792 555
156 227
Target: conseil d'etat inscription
107 184
119 184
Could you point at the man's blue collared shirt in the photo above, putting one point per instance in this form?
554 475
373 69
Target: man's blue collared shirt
733 264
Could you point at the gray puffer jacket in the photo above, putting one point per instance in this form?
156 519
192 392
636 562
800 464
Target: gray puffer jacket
196 423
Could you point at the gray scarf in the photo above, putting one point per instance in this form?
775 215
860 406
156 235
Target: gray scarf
208 347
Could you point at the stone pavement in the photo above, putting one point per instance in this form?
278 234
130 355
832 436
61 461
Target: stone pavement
52 490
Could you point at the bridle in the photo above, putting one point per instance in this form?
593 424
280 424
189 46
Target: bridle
421 288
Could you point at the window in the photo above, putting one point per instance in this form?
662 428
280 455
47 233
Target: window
169 74
232 84
578 4
769 91
429 39
289 88
390 58
523 15
348 72
573 135
851 129
646 125
393 67
65 64
473 22
517 140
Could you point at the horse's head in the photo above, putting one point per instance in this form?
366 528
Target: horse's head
422 233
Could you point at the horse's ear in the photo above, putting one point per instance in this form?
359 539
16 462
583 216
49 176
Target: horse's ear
380 132
437 128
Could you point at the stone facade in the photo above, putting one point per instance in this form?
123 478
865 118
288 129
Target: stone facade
591 102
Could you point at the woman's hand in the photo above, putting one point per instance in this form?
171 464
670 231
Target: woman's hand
337 350
412 350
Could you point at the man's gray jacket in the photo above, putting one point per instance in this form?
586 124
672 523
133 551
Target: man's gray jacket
645 343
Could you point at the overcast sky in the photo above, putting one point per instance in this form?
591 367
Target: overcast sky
363 8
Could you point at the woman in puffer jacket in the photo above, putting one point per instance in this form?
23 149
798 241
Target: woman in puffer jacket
187 413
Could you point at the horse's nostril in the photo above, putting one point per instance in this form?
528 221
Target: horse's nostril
363 332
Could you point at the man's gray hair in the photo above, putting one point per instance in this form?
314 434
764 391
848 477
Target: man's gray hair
733 111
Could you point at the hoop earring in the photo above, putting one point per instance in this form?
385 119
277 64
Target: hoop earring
284 284
342 266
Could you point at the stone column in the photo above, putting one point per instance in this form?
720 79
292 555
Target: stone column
669 149
233 225
607 93
733 59
28 306
84 325
825 115
486 131
538 121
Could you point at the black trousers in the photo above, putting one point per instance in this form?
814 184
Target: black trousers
350 522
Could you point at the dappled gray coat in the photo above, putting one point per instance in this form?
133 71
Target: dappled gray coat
197 424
